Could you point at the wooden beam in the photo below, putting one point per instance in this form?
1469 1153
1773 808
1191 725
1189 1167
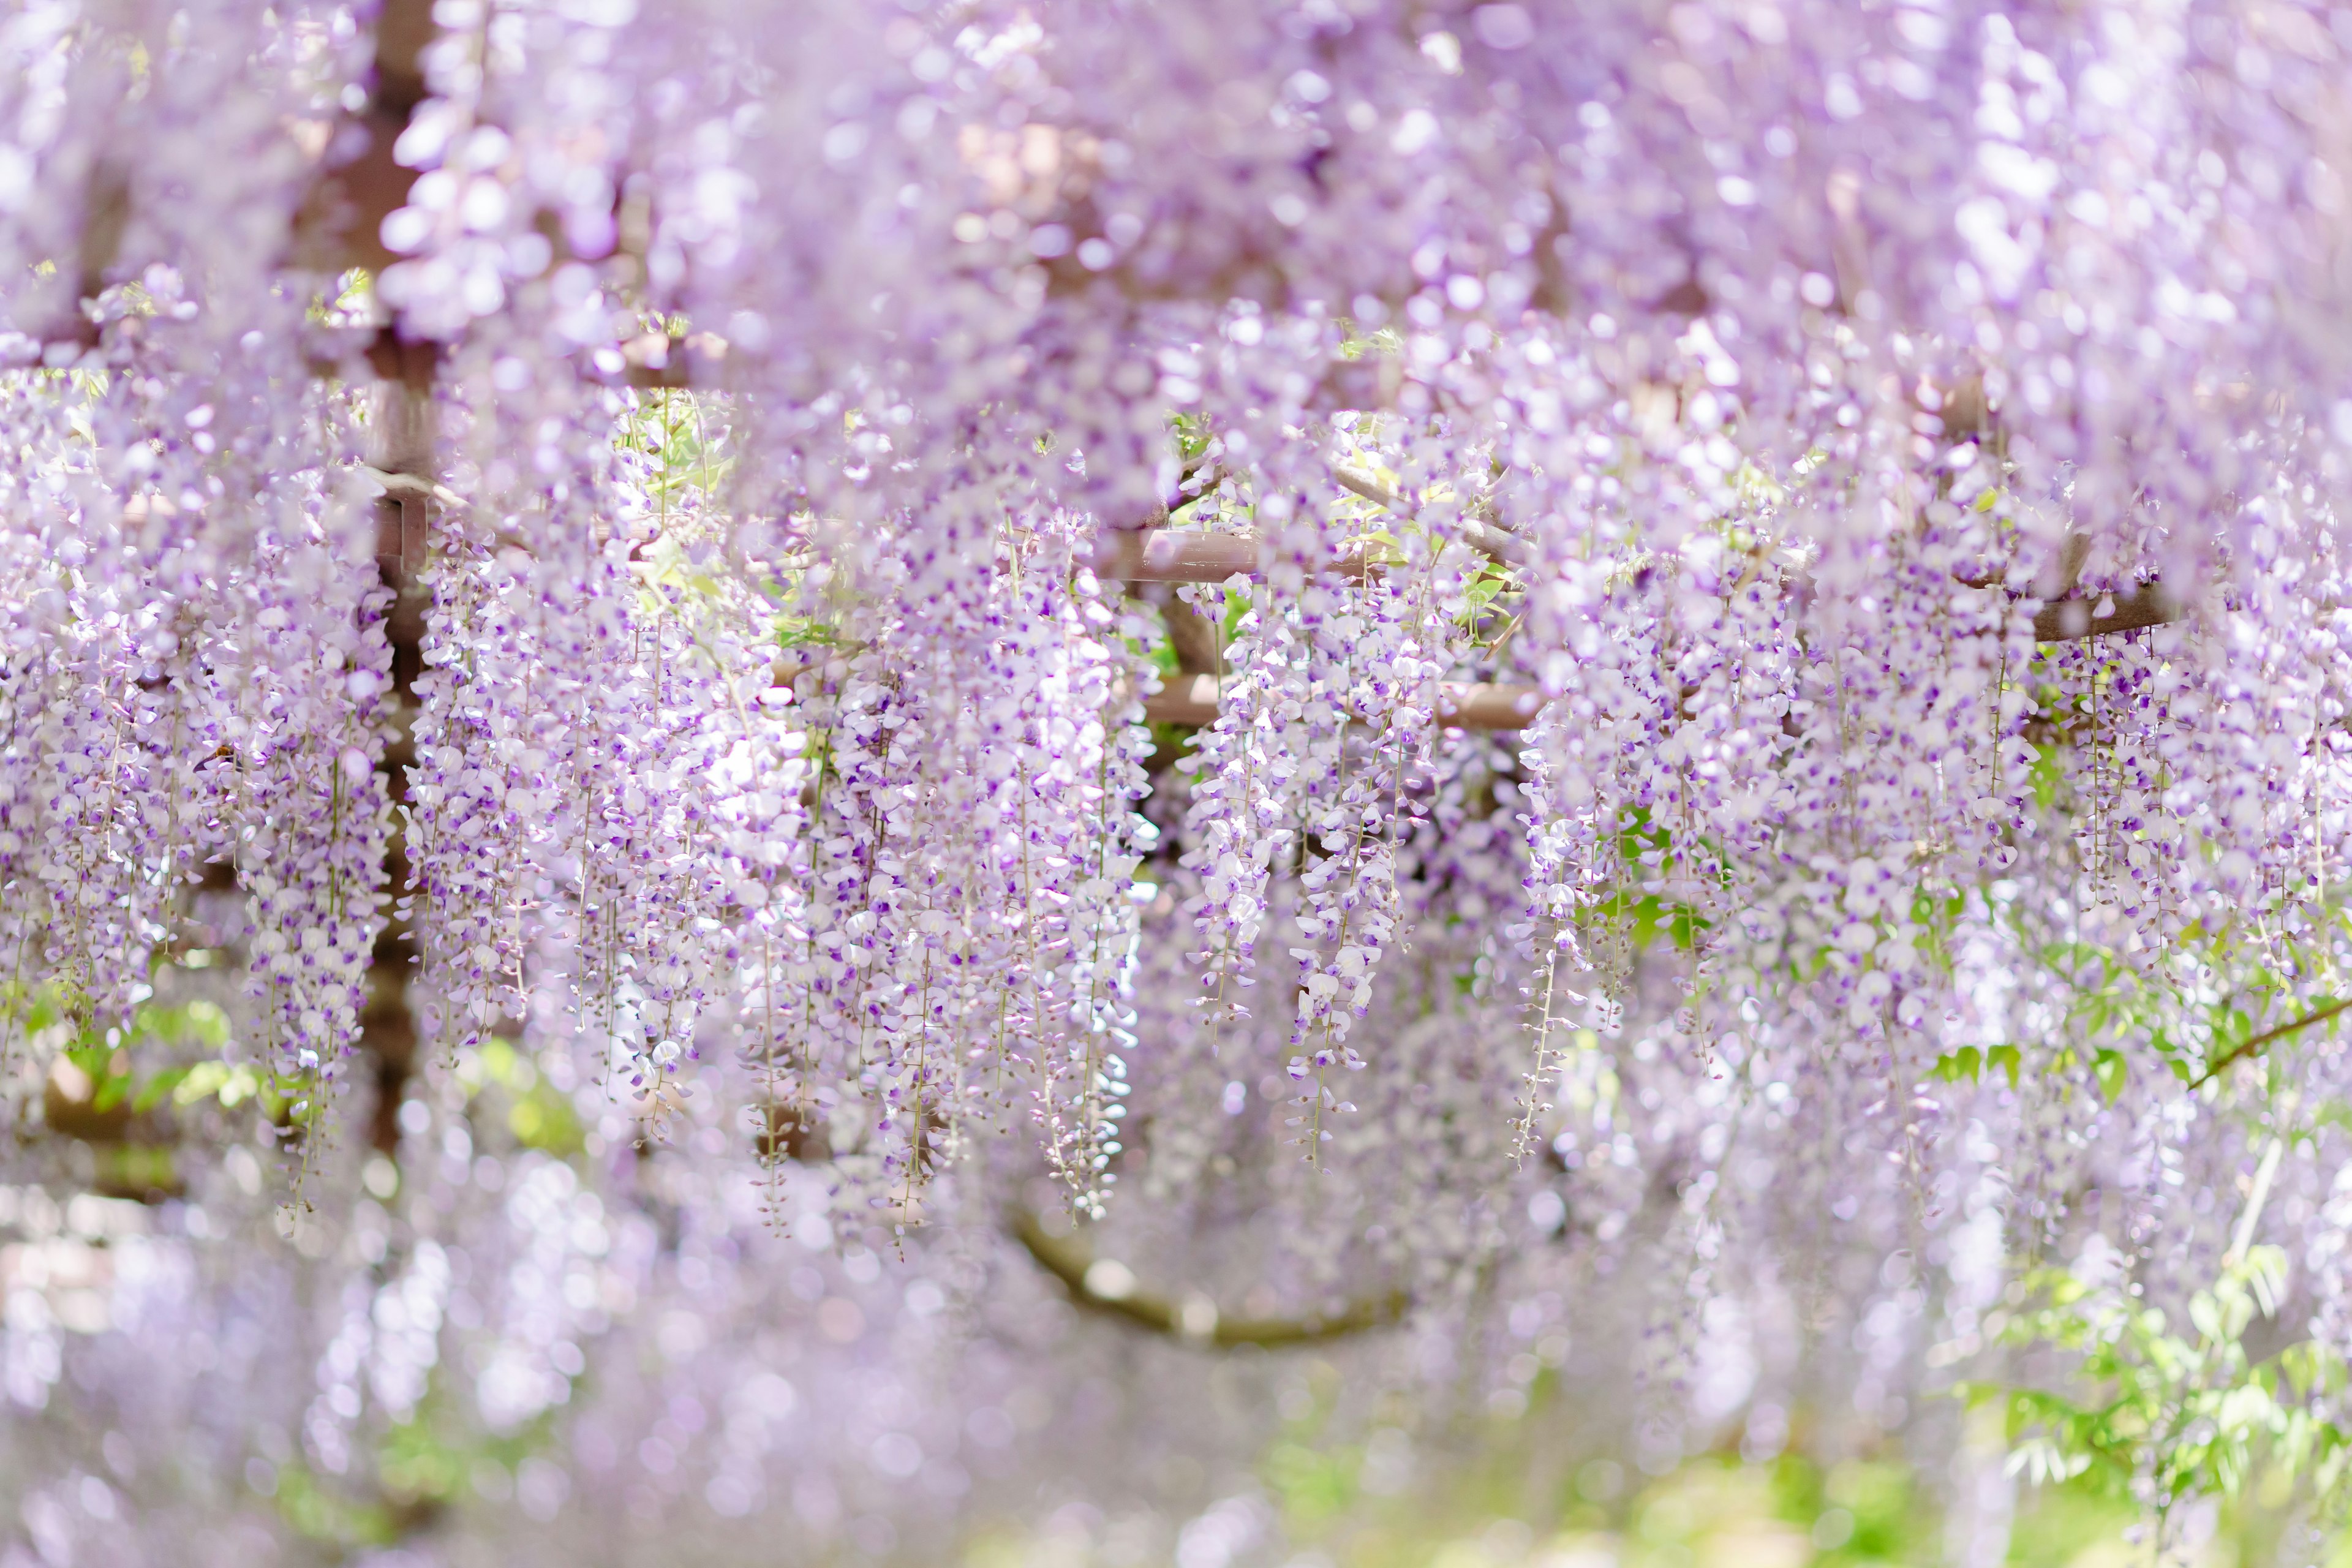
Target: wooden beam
404 433
340 222
1170 555
2067 620
1460 706
1496 543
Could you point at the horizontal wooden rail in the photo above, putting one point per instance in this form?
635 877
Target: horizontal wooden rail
1173 555
1169 555
1498 543
2067 620
1192 699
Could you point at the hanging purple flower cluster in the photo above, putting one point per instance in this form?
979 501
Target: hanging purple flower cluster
811 601
195 690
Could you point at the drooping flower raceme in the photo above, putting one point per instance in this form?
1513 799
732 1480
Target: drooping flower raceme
1771 586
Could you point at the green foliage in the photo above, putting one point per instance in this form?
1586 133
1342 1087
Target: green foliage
110 1061
1967 1064
1713 1508
1193 434
1313 1486
420 1469
52 1010
2225 994
805 631
688 465
1478 603
1855 1511
1162 656
1173 740
2182 1408
319 1512
232 1086
537 1114
199 1024
351 294
1237 604
668 562
1647 854
143 1171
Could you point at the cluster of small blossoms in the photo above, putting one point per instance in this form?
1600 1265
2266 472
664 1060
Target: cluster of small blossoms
85 739
1405 1188
1244 796
89 886
860 1027
1382 653
194 678
761 864
469 839
1081 927
967 926
681 677
305 662
589 723
1566 880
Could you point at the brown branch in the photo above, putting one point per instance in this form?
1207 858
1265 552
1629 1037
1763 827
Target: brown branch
2254 1045
2067 620
1110 1290
405 431
340 222
1167 556
1480 706
2067 615
1195 638
1156 554
1189 700
1171 555
1487 706
1508 548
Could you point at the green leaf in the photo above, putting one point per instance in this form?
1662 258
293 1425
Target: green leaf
2111 1070
803 631
2264 1270
1953 1067
2043 1461
2247 1408
153 1092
